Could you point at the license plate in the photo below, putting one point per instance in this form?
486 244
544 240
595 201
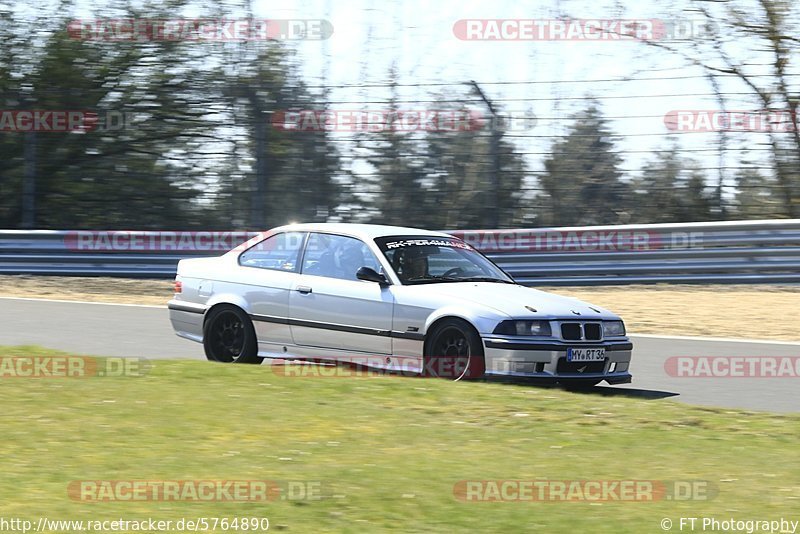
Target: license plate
586 355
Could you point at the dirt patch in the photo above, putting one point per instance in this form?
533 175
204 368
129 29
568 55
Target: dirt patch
758 312
117 290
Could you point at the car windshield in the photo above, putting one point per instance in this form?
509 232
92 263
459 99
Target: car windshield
428 260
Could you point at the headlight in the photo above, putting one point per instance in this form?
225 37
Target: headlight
613 328
523 328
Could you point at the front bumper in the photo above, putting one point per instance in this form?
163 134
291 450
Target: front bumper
546 360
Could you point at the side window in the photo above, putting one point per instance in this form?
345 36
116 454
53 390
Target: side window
279 252
337 256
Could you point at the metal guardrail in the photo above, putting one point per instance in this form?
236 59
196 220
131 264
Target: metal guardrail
707 253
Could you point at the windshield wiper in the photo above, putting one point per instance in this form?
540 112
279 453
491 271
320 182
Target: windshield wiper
434 278
439 278
486 279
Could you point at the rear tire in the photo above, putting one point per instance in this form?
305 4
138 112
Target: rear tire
453 350
229 336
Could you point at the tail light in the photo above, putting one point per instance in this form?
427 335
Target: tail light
178 286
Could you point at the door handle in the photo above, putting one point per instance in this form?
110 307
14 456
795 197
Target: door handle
305 290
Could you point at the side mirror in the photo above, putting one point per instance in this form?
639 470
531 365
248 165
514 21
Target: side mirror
370 275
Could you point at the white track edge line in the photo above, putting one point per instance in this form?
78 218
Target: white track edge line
717 339
164 306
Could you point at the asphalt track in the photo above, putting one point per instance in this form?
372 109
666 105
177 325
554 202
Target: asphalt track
145 331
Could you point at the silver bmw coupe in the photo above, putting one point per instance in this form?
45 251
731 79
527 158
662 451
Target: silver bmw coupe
390 298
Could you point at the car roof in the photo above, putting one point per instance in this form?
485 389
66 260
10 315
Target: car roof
363 231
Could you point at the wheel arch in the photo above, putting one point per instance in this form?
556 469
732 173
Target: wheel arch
478 319
433 323
226 300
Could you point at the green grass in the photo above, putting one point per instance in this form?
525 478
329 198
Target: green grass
392 448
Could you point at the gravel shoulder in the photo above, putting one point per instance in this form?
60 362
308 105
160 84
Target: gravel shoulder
101 289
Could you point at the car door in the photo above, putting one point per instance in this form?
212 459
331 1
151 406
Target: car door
267 273
330 308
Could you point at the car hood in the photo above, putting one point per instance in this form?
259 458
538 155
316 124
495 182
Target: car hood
517 301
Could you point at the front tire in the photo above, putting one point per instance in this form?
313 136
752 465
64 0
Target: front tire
229 336
454 350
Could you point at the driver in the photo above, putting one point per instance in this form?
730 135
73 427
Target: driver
413 263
